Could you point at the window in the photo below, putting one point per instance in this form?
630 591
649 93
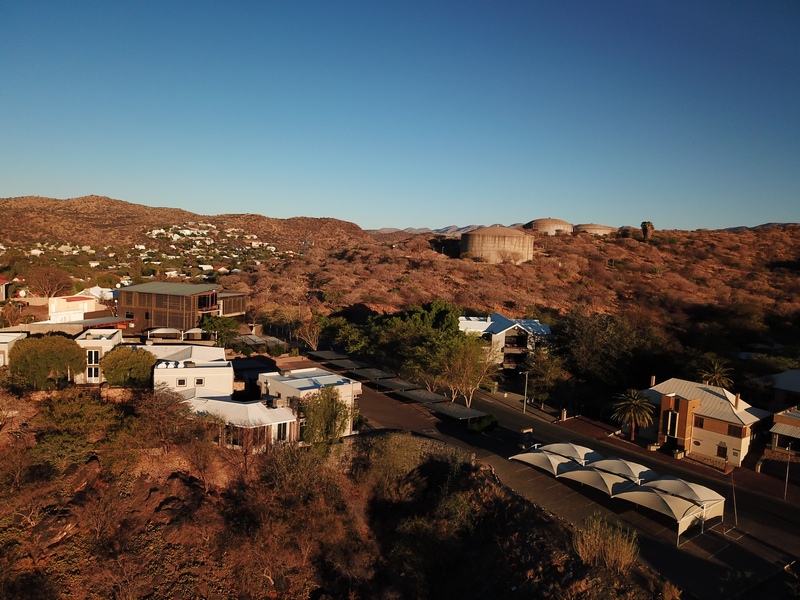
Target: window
722 452
698 422
198 381
92 374
282 429
147 315
670 423
129 315
93 357
735 431
181 383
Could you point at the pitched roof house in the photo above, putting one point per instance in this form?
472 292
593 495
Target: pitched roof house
511 339
705 420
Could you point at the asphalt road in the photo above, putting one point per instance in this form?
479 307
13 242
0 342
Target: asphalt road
728 559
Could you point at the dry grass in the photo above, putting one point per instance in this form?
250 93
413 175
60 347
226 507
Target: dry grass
670 591
600 544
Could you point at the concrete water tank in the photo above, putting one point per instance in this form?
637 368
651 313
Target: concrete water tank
549 226
497 245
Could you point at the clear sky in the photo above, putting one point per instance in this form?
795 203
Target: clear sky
409 113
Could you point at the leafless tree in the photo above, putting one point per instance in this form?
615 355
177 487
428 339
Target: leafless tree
48 281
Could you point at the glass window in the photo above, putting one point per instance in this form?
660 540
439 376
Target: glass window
282 429
92 357
199 381
735 431
698 422
181 383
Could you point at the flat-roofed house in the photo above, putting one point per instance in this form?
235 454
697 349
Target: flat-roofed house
66 309
204 377
97 343
288 388
705 420
178 306
7 341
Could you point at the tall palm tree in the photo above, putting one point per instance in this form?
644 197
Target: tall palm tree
716 372
634 408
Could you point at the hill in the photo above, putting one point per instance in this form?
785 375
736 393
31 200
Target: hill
90 220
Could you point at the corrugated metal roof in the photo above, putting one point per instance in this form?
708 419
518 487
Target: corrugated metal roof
172 289
788 381
715 402
784 429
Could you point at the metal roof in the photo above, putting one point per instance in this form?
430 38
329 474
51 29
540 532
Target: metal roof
497 324
715 402
172 289
456 411
788 381
421 396
785 429
328 355
397 385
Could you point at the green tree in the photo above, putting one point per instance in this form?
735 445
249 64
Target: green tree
326 417
128 367
37 361
224 329
546 371
633 408
468 364
716 372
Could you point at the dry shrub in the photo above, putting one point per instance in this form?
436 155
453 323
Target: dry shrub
600 544
670 591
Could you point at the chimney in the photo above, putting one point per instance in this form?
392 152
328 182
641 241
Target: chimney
652 380
563 414
736 405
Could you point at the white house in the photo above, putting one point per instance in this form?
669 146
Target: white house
65 309
7 341
97 343
511 339
705 420
204 370
289 387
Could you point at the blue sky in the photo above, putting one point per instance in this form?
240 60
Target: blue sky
410 114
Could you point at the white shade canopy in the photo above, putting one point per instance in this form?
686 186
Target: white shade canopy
685 512
552 463
630 470
580 454
609 483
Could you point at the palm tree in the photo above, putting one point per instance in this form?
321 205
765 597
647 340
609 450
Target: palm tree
633 407
716 372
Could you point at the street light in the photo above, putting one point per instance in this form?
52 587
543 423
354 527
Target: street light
525 395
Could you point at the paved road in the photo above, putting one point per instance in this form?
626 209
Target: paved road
719 563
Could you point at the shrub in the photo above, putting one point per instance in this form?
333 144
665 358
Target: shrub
481 424
599 543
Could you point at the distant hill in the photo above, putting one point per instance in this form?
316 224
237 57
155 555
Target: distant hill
95 220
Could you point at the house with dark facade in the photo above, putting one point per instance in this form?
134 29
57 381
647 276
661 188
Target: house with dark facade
178 306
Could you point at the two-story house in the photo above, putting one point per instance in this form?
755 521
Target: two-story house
178 306
511 339
705 420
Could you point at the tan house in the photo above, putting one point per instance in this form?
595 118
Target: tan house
705 420
786 430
